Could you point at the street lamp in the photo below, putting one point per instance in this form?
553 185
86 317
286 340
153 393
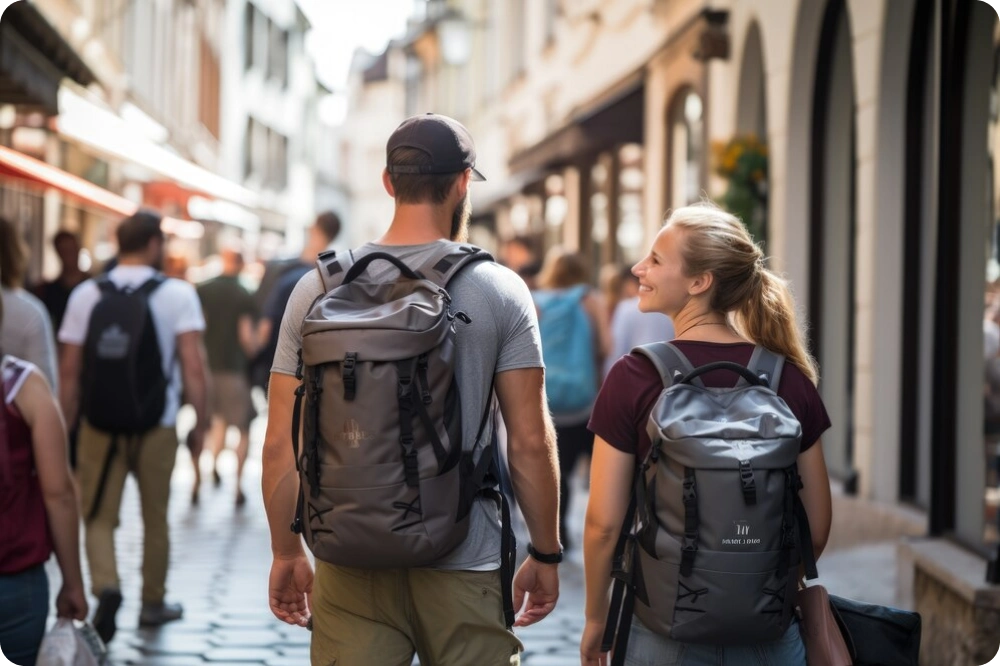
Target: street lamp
455 33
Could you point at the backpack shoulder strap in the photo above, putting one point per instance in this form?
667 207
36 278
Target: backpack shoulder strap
152 284
669 361
451 258
105 284
766 364
332 268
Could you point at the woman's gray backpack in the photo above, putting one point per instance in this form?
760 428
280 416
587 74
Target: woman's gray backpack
385 479
715 532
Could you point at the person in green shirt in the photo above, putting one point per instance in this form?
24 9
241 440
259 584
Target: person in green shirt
230 315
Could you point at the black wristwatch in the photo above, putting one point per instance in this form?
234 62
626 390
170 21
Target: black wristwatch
546 558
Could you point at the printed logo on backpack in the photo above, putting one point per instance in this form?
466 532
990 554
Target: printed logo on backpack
716 533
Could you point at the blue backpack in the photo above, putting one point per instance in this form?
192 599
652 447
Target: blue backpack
568 349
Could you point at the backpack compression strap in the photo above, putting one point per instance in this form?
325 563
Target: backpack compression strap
669 361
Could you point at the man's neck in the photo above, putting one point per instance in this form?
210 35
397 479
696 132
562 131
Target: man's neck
417 224
132 260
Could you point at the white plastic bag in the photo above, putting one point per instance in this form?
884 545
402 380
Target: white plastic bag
70 644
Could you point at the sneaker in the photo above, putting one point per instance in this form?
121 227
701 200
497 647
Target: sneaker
108 603
153 615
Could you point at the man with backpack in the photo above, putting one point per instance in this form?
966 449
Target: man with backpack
387 363
130 339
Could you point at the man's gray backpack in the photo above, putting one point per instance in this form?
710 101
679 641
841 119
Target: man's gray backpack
715 532
385 480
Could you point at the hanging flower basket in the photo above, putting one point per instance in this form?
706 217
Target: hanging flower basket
742 161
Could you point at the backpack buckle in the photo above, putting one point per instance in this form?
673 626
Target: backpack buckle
410 469
348 376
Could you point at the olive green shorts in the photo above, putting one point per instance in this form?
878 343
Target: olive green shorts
363 617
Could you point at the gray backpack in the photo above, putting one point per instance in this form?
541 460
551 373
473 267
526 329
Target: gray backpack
715 532
385 480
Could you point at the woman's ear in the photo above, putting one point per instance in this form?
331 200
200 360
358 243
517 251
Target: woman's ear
701 284
387 183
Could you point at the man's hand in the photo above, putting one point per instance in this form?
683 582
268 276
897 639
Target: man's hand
289 589
72 603
541 584
590 645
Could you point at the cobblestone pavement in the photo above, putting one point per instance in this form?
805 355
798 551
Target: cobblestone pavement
219 565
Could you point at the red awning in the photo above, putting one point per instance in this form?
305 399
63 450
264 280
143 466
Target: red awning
19 165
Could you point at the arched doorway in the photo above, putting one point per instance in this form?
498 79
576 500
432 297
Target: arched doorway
832 235
751 124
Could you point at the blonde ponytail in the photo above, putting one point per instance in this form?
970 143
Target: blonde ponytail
759 301
768 318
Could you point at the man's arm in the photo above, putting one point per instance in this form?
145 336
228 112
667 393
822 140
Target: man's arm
191 354
531 453
279 482
247 335
70 363
534 471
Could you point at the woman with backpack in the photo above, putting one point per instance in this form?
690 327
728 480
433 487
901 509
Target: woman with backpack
38 511
706 273
572 322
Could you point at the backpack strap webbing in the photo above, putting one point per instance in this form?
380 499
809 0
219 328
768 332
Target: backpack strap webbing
669 361
333 267
767 365
449 259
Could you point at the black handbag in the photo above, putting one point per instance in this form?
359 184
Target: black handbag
878 635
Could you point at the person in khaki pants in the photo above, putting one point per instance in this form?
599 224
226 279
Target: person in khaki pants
450 613
105 461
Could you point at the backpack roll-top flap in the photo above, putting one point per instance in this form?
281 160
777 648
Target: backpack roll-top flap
379 322
703 429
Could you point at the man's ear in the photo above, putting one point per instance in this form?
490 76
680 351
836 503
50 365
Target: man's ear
462 183
700 284
387 184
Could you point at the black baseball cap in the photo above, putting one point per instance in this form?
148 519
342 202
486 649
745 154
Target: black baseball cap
445 140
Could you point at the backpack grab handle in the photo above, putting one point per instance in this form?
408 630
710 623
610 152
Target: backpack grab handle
359 266
724 365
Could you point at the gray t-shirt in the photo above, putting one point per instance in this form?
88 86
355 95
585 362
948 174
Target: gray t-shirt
503 335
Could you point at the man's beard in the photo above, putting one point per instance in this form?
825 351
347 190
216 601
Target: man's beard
460 220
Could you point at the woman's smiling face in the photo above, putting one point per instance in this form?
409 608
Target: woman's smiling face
663 286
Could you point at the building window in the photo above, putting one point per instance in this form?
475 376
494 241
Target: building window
518 31
686 149
249 16
631 183
551 12
209 83
277 55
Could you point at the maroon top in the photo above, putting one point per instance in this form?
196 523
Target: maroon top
24 527
632 386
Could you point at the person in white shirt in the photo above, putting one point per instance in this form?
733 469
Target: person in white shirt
105 459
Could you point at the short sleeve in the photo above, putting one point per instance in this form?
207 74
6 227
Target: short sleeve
188 315
520 341
308 289
806 403
624 403
81 302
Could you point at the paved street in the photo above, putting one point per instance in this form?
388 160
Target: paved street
219 566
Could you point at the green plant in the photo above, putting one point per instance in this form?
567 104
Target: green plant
742 161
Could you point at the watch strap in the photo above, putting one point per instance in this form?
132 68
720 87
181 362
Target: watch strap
545 558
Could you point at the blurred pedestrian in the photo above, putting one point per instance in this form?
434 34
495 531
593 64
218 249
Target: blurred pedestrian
630 326
457 610
55 294
573 326
26 331
129 410
230 315
276 286
705 272
39 513
518 254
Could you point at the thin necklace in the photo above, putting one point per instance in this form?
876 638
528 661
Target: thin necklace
703 323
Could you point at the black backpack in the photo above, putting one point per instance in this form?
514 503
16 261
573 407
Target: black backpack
123 387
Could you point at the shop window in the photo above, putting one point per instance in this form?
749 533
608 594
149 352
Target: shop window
991 316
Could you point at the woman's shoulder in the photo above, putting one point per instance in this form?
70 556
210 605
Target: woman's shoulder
15 372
